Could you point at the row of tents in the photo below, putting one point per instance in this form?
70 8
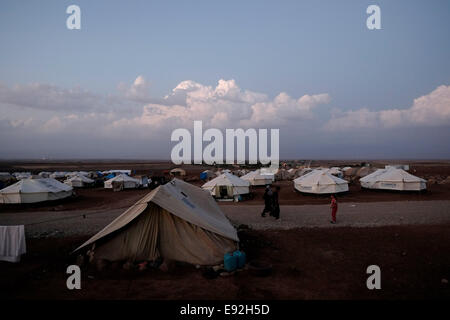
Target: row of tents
390 178
33 190
317 181
226 185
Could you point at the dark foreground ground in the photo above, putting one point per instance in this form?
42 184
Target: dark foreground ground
307 264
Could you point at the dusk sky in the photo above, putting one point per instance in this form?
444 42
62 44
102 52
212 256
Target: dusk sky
139 69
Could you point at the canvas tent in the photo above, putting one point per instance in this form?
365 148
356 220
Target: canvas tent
364 171
320 182
22 175
58 175
207 174
177 172
256 178
349 171
35 190
79 181
116 172
124 180
398 166
176 221
44 174
227 186
6 177
76 173
393 179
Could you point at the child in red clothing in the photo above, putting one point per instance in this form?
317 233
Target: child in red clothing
334 208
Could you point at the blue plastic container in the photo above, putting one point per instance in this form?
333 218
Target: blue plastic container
229 262
240 258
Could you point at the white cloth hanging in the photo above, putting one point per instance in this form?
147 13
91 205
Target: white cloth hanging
12 243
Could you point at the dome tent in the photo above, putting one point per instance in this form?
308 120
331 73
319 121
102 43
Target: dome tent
35 190
176 221
320 182
79 181
178 172
127 182
207 174
227 186
256 178
393 179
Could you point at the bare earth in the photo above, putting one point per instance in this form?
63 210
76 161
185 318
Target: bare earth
349 215
406 234
88 222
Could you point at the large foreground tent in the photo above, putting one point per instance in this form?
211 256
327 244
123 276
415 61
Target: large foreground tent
122 179
393 179
227 185
258 178
35 190
176 221
320 182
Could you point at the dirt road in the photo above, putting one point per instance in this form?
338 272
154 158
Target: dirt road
88 222
349 215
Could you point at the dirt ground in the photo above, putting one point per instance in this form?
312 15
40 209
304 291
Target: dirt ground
85 199
306 264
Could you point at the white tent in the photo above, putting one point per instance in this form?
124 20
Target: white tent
393 179
44 174
178 172
118 171
227 186
127 182
58 175
176 221
334 171
301 172
5 176
398 166
79 181
207 174
35 190
76 173
256 178
22 175
320 182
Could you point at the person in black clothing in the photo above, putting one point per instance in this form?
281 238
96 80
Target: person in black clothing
267 201
275 203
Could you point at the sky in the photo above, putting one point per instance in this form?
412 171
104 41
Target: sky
137 70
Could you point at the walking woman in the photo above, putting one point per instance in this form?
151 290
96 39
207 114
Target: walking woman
267 201
276 204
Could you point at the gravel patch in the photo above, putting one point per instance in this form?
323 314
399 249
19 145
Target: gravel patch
50 224
349 215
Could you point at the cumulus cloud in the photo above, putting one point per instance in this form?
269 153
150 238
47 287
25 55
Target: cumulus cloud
137 91
432 109
225 105
50 114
